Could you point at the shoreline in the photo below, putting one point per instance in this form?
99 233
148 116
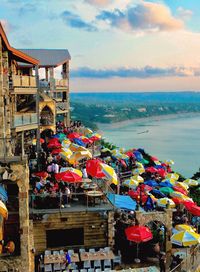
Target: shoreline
119 124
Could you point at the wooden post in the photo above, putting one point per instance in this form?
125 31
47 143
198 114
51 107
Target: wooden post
46 74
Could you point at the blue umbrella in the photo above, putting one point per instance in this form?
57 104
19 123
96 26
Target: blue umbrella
151 183
157 193
138 155
78 141
3 194
166 184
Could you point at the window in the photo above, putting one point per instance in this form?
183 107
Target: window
65 237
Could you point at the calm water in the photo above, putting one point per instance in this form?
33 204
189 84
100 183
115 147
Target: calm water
177 139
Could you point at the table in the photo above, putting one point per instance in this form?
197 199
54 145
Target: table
93 195
97 256
53 259
88 186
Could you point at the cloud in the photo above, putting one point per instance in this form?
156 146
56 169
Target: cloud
146 16
145 72
99 3
184 13
75 21
8 27
26 8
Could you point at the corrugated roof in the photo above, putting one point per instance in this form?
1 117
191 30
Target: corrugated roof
49 57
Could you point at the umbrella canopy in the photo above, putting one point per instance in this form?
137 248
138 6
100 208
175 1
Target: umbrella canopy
3 210
177 195
188 204
174 176
191 182
183 227
68 176
169 162
74 135
151 183
138 178
77 156
166 190
177 201
42 174
94 169
139 165
66 154
182 185
195 210
56 151
3 194
180 190
185 238
151 169
79 142
166 183
131 183
157 193
34 141
76 148
87 131
54 143
138 234
138 171
66 143
164 202
109 172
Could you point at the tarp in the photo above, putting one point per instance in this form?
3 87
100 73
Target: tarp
122 202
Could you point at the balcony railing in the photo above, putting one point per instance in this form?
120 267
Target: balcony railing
25 119
24 81
61 82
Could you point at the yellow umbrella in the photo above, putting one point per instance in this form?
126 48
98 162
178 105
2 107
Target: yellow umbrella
182 185
75 148
177 194
131 183
139 165
183 227
88 131
3 210
185 238
169 162
137 171
172 176
77 156
172 181
191 182
66 154
165 201
109 173
66 143
138 178
157 162
77 171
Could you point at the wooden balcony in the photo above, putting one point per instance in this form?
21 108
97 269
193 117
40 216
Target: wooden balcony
25 121
24 84
63 83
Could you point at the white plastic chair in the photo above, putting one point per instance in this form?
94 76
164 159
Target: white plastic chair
61 251
47 252
98 270
91 270
56 267
86 264
81 250
107 264
83 270
92 250
97 264
56 252
71 251
48 268
107 249
117 259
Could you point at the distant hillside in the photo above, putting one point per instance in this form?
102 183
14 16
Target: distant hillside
136 98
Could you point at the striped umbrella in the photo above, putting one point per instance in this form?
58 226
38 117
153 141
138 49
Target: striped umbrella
183 227
191 182
131 183
174 176
138 171
3 210
109 172
185 238
182 185
3 194
165 201
138 178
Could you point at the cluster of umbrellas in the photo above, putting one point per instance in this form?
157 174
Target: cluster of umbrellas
3 199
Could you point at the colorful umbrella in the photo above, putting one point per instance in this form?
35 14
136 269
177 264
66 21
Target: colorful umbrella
3 210
138 171
195 210
34 142
77 156
166 184
109 173
191 182
131 183
185 238
174 176
151 183
68 176
169 162
88 131
56 151
3 194
182 185
151 169
75 148
94 169
42 174
138 234
157 193
164 202
183 227
66 154
166 190
54 143
66 143
180 190
74 135
138 178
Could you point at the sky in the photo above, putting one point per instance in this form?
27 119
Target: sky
115 45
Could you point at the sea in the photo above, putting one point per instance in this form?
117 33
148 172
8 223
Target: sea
169 137
176 138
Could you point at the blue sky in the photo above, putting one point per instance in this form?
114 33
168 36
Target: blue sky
115 45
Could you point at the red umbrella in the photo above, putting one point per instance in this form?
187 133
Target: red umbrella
68 176
136 195
145 187
56 151
130 154
188 204
195 210
42 174
93 168
94 138
154 158
161 172
151 169
177 200
86 141
54 143
138 234
180 190
73 135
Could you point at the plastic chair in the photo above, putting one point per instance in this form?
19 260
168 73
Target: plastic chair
47 252
83 270
81 250
97 264
61 251
92 250
56 267
91 270
48 268
71 251
74 270
107 264
86 264
117 259
107 249
98 270
56 252
107 269
73 266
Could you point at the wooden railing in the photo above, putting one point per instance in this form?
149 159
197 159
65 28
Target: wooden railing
61 82
25 119
24 81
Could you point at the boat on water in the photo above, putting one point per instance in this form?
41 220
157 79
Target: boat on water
146 131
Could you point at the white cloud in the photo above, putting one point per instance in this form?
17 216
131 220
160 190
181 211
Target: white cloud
185 14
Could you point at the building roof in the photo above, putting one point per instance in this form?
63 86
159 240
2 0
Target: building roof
49 57
20 56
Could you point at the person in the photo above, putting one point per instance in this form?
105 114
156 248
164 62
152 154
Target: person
162 261
84 171
67 260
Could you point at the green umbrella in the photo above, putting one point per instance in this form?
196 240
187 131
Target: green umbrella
143 161
62 137
166 190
